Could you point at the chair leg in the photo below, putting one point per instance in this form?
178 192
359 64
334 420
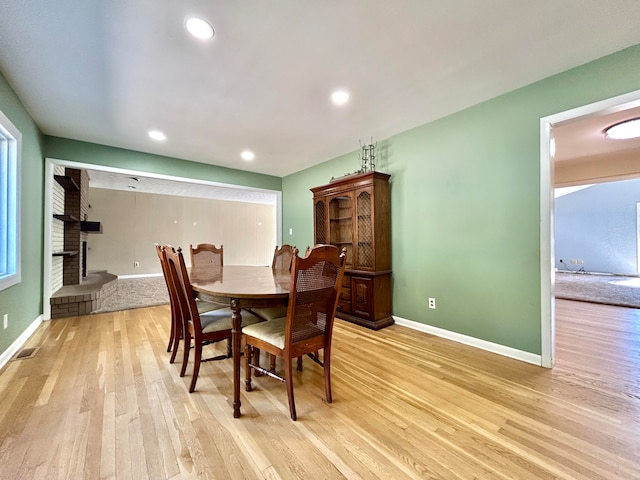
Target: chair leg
172 335
272 363
299 366
185 357
288 375
176 343
229 348
256 360
327 374
247 368
196 366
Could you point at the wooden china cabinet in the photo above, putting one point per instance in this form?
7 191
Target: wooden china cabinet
354 212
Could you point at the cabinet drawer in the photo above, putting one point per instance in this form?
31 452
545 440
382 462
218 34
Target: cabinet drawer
344 302
345 294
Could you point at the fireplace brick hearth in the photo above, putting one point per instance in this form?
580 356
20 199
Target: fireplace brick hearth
73 300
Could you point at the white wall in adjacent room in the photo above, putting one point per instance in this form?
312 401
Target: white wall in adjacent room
598 227
132 222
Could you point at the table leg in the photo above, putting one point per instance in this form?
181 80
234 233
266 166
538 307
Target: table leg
236 336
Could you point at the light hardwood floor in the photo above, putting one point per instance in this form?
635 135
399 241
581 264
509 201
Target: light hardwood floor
100 400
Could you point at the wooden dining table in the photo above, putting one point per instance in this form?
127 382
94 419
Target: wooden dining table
240 286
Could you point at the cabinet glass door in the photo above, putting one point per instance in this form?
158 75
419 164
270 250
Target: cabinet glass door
321 222
365 257
341 224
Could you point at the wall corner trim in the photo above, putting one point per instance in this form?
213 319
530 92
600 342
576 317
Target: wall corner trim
19 342
471 341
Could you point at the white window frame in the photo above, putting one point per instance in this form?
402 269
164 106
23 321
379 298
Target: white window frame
10 160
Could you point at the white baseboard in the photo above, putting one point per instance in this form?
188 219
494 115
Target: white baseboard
143 275
471 341
19 342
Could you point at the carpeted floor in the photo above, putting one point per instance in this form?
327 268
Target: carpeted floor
136 293
607 289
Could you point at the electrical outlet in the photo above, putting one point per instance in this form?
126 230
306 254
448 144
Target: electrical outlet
136 264
432 303
5 321
291 231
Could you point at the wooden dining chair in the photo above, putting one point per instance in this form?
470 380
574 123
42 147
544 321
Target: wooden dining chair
282 258
281 263
173 336
206 254
206 328
176 315
308 325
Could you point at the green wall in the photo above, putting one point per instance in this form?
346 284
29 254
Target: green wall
464 195
65 149
465 202
23 302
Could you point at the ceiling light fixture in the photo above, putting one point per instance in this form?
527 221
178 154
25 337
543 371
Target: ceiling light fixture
247 155
340 97
157 135
624 130
199 28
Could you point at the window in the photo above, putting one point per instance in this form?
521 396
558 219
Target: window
10 149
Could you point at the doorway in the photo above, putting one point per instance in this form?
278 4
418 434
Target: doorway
189 184
547 184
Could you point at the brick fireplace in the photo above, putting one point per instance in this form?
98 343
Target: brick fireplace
76 291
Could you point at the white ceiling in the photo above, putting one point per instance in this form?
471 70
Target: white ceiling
585 137
108 71
141 183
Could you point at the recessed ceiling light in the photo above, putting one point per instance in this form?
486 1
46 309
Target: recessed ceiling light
157 135
247 155
340 97
199 28
624 130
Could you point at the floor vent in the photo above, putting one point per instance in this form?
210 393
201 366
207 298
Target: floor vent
26 353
